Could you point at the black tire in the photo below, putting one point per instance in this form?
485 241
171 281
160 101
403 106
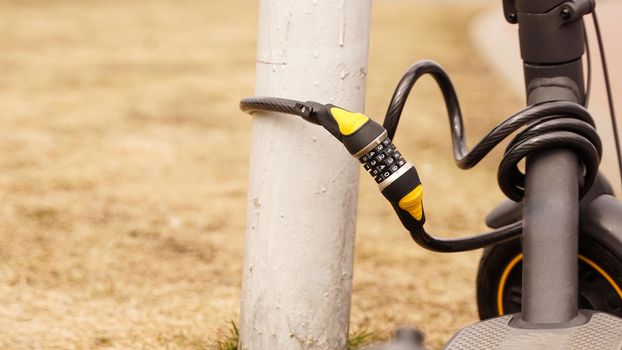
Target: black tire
600 279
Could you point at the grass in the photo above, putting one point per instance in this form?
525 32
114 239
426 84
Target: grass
359 339
228 339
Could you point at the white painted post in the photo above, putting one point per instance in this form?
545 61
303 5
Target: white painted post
303 184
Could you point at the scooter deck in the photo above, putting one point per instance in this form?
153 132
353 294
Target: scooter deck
601 332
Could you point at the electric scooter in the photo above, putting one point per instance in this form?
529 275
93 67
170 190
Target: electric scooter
551 273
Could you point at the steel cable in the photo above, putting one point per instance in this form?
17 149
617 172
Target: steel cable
556 124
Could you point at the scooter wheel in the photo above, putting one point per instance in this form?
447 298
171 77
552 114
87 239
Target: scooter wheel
499 278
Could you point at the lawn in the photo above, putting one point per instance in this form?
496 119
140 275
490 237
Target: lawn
122 228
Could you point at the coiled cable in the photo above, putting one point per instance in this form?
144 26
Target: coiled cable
556 124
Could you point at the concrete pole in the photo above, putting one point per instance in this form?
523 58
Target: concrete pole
303 184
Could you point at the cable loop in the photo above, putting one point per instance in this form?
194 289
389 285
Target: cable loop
556 124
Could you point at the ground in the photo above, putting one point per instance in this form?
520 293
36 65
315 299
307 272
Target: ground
123 226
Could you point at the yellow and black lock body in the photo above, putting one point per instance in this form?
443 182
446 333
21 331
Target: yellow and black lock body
367 141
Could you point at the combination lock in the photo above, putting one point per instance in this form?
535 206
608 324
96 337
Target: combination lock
367 141
383 160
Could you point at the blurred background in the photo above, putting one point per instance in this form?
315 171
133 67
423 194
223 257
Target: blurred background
124 165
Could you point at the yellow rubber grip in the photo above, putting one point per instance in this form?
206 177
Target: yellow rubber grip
347 121
413 202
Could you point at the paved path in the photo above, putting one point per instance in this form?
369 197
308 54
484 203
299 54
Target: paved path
498 42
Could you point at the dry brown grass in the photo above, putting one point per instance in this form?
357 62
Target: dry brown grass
122 227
